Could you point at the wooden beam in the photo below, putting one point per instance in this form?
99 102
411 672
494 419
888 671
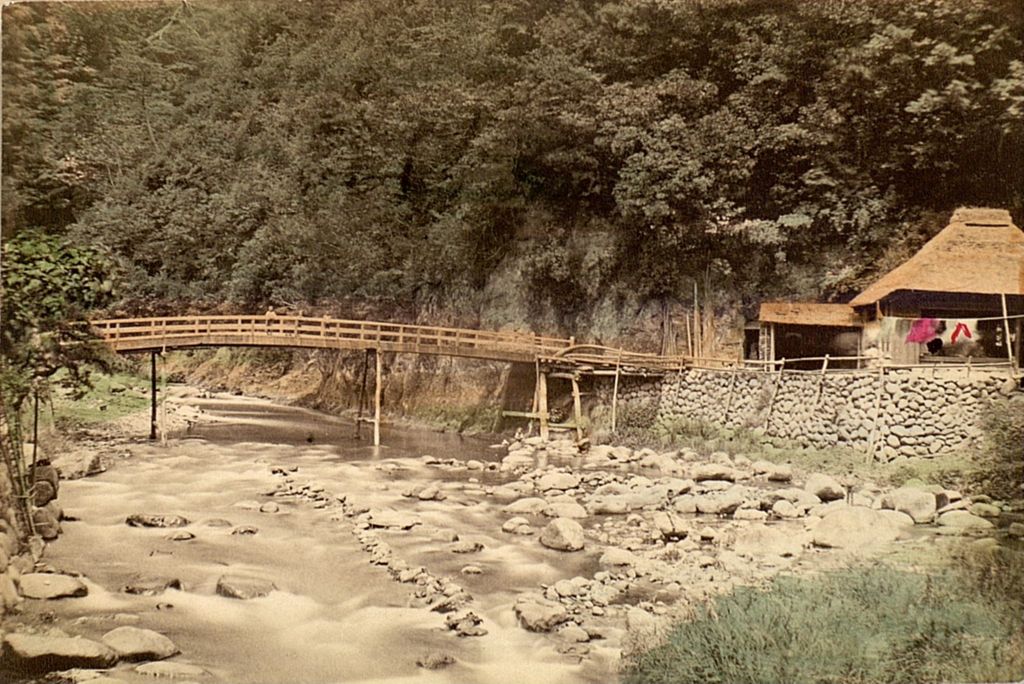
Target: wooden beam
521 414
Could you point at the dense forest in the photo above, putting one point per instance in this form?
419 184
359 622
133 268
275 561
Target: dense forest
416 152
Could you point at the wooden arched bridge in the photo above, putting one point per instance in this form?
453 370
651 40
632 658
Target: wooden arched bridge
553 356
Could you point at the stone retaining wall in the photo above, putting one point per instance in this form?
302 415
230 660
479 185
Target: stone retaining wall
10 540
919 412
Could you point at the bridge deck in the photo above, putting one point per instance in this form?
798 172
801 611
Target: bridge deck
157 334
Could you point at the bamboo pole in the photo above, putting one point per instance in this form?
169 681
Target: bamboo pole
1006 328
689 338
696 323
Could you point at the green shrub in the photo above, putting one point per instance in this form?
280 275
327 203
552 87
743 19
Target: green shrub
856 626
1003 468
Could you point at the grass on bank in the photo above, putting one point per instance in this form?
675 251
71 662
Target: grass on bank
110 397
863 625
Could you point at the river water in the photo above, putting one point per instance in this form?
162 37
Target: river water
335 617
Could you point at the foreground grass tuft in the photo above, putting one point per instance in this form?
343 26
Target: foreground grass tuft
857 626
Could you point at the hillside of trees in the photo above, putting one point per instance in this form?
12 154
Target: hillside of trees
414 153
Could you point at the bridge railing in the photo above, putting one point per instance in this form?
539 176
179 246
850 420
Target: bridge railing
169 330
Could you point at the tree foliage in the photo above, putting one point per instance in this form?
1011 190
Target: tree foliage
46 286
381 149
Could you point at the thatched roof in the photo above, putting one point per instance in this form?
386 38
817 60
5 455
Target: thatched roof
979 252
808 313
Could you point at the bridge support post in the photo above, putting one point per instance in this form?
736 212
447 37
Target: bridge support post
152 395
542 403
615 395
376 398
577 408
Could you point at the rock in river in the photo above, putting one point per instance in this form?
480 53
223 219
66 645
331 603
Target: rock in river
170 670
393 519
857 527
133 643
233 586
540 615
824 487
146 520
563 534
38 585
26 653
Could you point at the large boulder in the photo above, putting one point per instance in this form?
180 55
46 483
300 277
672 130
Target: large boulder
917 503
857 527
565 509
560 481
670 525
32 653
46 523
825 487
39 585
531 505
540 615
763 540
134 643
714 471
615 558
148 520
234 586
962 520
563 534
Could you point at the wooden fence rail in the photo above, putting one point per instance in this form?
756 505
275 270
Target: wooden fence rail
148 334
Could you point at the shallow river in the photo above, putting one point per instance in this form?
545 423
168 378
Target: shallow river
335 617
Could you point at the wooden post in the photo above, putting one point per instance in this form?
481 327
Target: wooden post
1017 343
152 395
821 381
615 391
577 408
771 342
362 392
376 398
775 392
878 409
1006 329
728 397
542 404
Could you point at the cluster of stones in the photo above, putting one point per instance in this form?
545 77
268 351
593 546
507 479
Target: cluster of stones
674 525
37 653
438 594
902 413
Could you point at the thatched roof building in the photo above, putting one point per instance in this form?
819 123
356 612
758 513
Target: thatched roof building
981 251
959 296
